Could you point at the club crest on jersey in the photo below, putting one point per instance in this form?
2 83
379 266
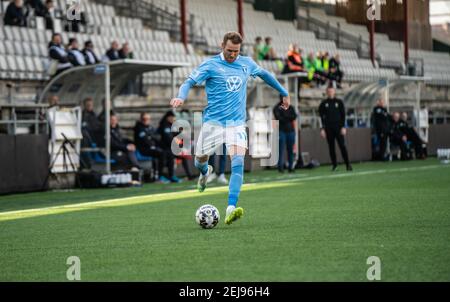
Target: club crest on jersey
234 84
245 69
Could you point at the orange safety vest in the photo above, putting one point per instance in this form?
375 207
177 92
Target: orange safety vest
297 58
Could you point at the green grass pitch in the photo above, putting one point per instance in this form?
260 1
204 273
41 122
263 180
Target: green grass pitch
314 225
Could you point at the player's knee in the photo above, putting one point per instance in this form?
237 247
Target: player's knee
237 162
201 158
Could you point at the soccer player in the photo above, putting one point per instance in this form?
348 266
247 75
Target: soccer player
224 117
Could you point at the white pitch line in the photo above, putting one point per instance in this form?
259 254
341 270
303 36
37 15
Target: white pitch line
174 194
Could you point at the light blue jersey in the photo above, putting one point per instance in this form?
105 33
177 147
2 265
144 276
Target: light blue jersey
226 87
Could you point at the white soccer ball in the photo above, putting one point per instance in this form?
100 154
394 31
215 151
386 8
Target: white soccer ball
207 216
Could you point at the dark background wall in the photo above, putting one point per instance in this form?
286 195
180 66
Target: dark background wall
358 142
391 23
24 162
282 9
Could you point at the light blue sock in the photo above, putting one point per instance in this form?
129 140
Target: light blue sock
236 179
203 167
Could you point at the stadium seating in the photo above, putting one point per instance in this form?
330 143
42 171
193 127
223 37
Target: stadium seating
23 51
213 17
390 53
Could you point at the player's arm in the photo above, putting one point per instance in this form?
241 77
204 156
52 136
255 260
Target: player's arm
272 82
196 77
182 93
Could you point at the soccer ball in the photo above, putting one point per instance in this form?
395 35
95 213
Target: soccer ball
207 216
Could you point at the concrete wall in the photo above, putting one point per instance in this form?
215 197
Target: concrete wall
439 137
357 140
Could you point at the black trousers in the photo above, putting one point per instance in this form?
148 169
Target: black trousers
382 139
334 134
125 159
416 141
164 157
404 152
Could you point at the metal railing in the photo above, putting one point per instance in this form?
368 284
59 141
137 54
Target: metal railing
155 17
13 123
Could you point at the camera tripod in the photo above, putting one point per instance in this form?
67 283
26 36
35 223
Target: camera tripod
67 160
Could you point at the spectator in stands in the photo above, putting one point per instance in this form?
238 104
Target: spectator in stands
294 62
125 52
122 149
36 5
268 52
59 55
416 142
313 73
76 57
319 69
380 121
89 54
258 49
335 72
91 127
287 134
165 130
112 54
15 14
45 11
325 58
398 136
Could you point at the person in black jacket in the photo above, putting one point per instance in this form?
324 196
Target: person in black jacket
76 57
167 136
335 72
125 52
332 114
122 150
44 11
380 125
57 52
112 54
417 143
15 14
148 141
398 136
286 119
91 126
89 54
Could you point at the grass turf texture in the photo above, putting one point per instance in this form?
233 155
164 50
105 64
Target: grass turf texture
310 226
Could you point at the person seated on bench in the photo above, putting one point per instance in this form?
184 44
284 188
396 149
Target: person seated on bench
148 140
122 149
398 136
416 142
165 130
91 126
